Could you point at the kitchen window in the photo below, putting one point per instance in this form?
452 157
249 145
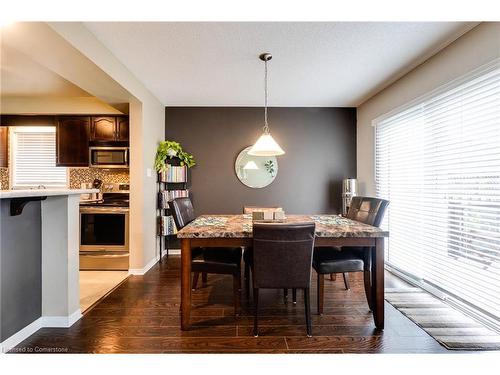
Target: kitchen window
33 158
438 162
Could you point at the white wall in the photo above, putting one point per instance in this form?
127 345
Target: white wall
44 46
147 126
48 105
143 188
473 49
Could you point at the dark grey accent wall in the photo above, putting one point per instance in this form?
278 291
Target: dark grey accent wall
320 146
20 267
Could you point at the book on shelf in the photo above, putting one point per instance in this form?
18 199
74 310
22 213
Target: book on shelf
166 196
166 226
174 174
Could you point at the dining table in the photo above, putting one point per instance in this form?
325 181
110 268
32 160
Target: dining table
236 230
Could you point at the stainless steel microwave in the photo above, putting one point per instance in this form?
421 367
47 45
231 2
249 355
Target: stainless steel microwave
109 157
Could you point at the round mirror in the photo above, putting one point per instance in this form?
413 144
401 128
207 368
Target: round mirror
255 171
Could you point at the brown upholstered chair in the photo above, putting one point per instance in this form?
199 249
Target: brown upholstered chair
328 260
248 253
282 256
224 260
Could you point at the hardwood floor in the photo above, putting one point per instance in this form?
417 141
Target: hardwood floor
142 316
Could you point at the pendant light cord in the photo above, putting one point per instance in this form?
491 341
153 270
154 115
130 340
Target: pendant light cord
266 126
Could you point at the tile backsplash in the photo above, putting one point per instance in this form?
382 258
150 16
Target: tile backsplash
4 178
77 176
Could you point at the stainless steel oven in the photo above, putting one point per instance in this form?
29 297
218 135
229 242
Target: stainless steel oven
109 157
104 238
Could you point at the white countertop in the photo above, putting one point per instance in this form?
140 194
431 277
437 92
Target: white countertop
4 194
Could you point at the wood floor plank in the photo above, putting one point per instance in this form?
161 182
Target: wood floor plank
152 312
335 342
364 343
318 331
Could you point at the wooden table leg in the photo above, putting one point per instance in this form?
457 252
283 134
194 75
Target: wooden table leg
378 283
185 283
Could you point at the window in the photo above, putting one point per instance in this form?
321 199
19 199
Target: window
438 162
33 158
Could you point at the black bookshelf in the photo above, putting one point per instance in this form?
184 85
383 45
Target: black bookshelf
164 214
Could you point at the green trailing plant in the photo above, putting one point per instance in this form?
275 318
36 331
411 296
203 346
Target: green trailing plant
170 149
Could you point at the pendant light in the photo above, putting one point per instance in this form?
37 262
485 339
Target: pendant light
266 145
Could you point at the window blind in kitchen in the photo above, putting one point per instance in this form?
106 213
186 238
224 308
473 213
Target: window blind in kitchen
438 163
34 158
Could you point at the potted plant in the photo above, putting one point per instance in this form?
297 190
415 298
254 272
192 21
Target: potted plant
168 150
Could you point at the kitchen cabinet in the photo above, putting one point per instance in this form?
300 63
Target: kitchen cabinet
4 146
103 129
122 127
109 129
72 141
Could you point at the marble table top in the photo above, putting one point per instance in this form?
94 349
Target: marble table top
240 226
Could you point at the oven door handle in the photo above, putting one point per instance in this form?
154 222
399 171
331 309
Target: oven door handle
104 210
104 255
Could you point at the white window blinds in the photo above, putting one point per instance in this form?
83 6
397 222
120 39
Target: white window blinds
34 158
438 162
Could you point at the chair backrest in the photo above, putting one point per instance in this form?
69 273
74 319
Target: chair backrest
367 210
182 211
250 209
282 255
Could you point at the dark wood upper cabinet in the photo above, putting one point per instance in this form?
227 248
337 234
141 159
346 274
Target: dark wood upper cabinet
109 129
4 146
103 129
122 127
72 141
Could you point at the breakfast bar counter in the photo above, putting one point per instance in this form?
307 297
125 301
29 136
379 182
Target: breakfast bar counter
24 193
39 276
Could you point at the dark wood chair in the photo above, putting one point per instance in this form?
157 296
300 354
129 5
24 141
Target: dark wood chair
226 261
282 256
332 260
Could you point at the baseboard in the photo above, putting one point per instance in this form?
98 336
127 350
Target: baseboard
20 336
172 252
146 268
61 321
42 322
142 271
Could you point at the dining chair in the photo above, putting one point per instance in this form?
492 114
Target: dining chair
248 251
332 260
282 257
223 260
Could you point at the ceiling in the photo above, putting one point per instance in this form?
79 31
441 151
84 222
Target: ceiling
314 64
22 76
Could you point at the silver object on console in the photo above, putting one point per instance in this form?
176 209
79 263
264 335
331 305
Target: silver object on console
349 190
